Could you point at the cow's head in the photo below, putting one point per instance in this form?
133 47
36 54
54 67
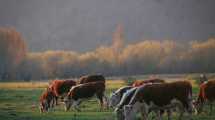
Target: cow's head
130 111
114 99
198 106
44 106
68 101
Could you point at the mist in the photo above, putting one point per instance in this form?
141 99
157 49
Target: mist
83 25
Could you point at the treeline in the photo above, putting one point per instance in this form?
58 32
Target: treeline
146 57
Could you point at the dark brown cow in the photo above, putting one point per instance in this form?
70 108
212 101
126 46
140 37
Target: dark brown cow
160 97
142 82
83 91
206 95
60 88
91 78
46 101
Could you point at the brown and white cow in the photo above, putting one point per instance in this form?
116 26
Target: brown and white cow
156 97
56 89
206 95
46 101
84 91
60 88
91 78
142 82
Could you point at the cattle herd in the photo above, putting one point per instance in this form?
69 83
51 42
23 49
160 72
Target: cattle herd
155 96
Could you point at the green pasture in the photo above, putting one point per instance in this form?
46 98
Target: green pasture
17 103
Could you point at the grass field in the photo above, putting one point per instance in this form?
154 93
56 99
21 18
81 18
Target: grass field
19 101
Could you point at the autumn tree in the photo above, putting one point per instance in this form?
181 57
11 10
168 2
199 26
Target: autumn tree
12 52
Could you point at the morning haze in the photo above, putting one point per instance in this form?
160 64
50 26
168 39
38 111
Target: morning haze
83 25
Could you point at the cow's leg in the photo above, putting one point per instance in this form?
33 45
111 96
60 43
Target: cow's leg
145 111
190 108
211 108
100 97
120 115
169 114
52 103
158 114
55 100
76 104
106 101
181 110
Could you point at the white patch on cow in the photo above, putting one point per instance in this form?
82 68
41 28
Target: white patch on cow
116 97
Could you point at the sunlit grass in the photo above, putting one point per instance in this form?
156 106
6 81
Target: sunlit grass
19 101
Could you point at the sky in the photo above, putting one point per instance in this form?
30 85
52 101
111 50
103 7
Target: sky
83 25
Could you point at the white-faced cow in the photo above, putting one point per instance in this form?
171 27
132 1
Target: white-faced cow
156 97
84 91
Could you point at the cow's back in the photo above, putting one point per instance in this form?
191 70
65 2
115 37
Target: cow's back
142 82
87 90
91 78
161 94
60 87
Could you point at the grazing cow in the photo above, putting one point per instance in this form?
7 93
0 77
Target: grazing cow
117 95
46 101
125 100
84 91
142 82
91 78
206 95
60 88
156 97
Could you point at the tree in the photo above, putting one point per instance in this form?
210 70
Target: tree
12 52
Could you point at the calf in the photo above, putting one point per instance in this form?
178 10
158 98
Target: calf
206 95
156 97
91 78
60 88
84 91
117 95
142 82
46 101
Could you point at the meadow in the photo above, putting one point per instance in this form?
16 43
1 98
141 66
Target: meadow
19 101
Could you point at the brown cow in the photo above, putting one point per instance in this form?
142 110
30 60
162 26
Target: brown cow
60 88
84 91
91 78
155 97
46 101
206 95
142 82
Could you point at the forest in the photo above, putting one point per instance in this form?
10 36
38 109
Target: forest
117 59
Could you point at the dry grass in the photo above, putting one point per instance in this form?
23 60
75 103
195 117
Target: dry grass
15 85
